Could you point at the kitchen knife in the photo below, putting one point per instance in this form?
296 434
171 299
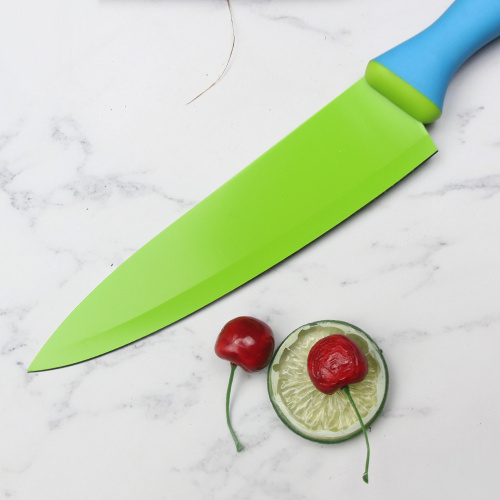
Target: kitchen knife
347 154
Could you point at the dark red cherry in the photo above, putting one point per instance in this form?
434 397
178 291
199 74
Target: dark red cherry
334 362
246 342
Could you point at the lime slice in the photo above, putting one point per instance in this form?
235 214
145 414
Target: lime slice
307 411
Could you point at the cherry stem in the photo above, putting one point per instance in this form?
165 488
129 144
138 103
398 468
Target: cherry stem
348 393
228 395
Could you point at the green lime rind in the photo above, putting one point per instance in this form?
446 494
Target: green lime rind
310 413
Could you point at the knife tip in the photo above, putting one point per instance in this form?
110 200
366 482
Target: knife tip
41 363
35 366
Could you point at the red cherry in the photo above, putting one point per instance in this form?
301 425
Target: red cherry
334 362
246 342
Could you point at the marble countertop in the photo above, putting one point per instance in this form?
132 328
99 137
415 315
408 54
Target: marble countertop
99 151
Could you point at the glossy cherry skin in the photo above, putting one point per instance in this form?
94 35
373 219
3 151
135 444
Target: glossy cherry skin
334 362
247 342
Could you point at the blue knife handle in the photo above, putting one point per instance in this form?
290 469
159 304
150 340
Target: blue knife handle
416 74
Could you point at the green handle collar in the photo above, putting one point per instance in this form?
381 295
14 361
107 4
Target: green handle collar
401 93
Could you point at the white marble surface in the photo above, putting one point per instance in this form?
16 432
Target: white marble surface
99 152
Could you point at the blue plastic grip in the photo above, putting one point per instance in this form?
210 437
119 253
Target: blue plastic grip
429 60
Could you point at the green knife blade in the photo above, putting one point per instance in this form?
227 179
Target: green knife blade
347 154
